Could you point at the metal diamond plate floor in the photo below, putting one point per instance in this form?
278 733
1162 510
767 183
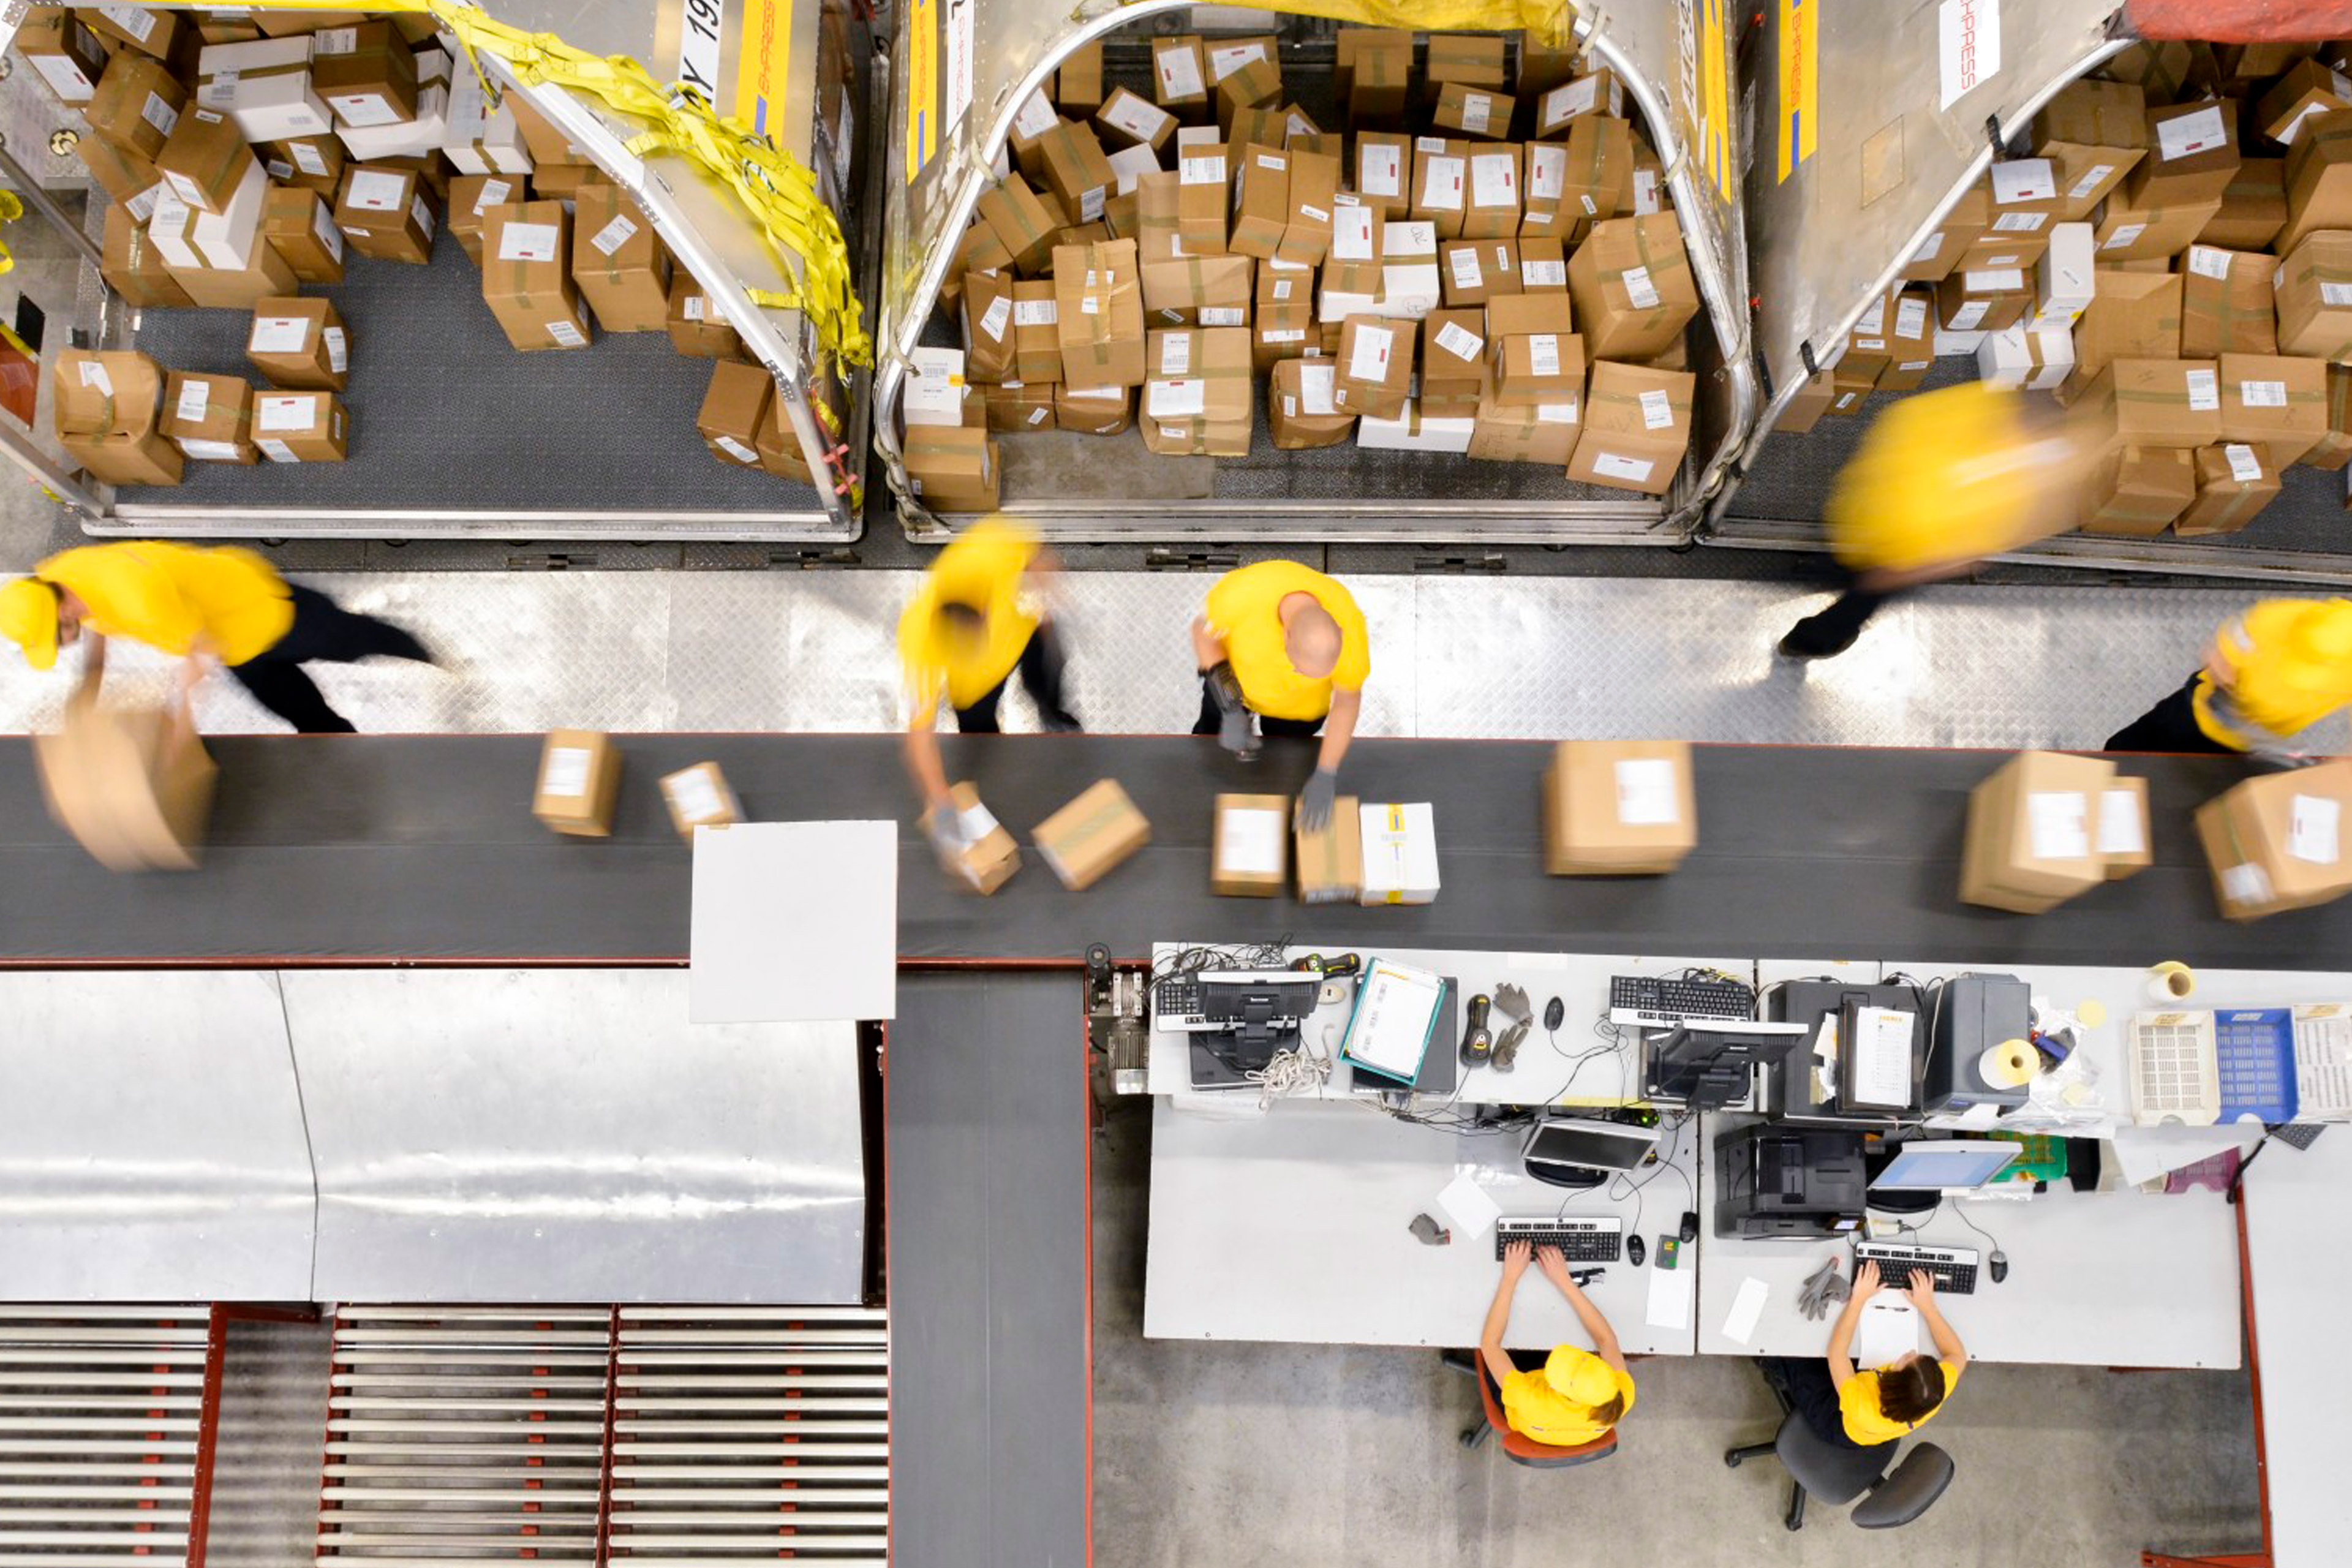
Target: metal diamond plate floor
1483 657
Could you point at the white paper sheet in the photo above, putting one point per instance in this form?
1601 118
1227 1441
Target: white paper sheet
1669 1298
1747 1309
763 950
2144 1153
1465 1201
1888 1332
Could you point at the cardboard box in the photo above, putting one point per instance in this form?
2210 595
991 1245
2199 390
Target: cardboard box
1355 271
2306 89
1180 76
1849 391
2133 315
1400 850
1441 170
579 780
299 342
1306 230
1494 200
1536 358
1984 300
2066 277
1261 210
2032 838
1202 291
1094 411
65 52
1572 186
205 159
2334 448
1542 266
1249 845
2192 156
137 105
210 417
1617 808
279 23
265 87
301 427
1384 173
2225 302
545 143
1473 112
481 140
2128 233
1330 861
733 406
986 313
2094 132
1812 401
952 469
1078 80
134 268
1410 288
619 264
1637 423
1375 367
1018 407
386 213
1374 82
1037 332
1453 370
2253 209
297 227
1203 197
1600 93
2025 360
698 796
1086 839
129 178
1076 171
1932 260
1990 252
527 276
2276 401
2124 837
2138 491
1301 410
2314 297
1198 400
1133 122
1020 222
1632 286
2157 403
1414 431
222 288
2026 197
2165 71
2234 481
366 73
1910 340
107 412
134 787
1545 434
696 327
2273 842
1032 123
314 162
1252 85
1867 350
1543 66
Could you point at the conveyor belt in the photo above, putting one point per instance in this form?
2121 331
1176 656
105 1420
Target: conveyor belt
381 848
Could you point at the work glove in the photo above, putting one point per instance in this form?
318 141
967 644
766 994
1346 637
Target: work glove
1234 730
1824 1288
1314 800
948 833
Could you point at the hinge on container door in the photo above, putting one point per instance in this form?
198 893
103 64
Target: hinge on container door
1160 558
548 560
1460 565
813 560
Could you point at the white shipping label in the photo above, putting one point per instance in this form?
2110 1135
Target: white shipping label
2205 262
2188 134
1929 246
2121 832
373 191
1459 341
1223 62
1281 289
2016 223
1090 205
64 78
1309 210
421 215
339 351
208 451
1466 271
1567 102
1633 470
1968 53
277 451
2018 180
2262 393
1544 274
195 396
735 449
1037 416
279 335
1351 234
693 796
138 24
1289 406
1138 119
1994 281
1251 843
310 161
1645 197
1495 181
1370 360
1377 171
1429 144
365 110
331 239
1543 353
528 242
160 115
1179 73
1969 315
2246 884
2294 128
1639 291
1296 125
1034 119
1037 314
2312 824
2244 467
1872 321
1273 160
2336 293
1222 316
219 91
2093 177
1911 317
2057 825
1657 409
995 319
565 773
1175 399
297 413
1316 380
612 236
1175 353
1441 184
1475 109
2204 389
1546 172
2124 234
1202 170
335 41
694 308
1289 335
1647 792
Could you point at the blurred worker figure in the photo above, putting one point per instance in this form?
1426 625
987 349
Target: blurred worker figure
1569 1395
1942 480
2270 674
976 618
215 604
1860 1409
1287 644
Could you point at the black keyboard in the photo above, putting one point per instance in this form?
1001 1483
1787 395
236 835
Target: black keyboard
1579 1240
1681 998
1178 996
1955 1268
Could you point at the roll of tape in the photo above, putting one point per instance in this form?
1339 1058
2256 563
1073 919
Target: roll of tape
2171 981
2009 1065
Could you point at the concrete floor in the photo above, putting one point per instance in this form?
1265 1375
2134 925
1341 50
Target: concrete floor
1285 1456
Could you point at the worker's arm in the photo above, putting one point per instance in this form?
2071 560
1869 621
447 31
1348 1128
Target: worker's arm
1947 1343
922 746
1841 1359
1604 1338
93 665
1516 1258
1208 647
1338 729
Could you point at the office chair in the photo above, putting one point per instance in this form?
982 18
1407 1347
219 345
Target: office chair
1519 1449
1838 1475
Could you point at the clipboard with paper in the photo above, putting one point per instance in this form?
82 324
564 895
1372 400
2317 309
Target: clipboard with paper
1395 1014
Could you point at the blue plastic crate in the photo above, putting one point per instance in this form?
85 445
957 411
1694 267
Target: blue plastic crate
2254 1049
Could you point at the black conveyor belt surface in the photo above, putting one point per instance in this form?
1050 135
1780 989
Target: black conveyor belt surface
424 847
989 1243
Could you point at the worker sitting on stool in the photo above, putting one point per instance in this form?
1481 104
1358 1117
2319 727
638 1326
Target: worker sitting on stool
1570 1396
1851 1409
2271 674
1287 644
218 604
966 630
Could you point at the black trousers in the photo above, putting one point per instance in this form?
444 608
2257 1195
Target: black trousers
1296 729
2169 726
1804 1382
322 629
1041 670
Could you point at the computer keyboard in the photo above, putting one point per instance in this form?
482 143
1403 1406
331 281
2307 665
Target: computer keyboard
1176 1002
2173 1069
1647 999
1579 1240
1955 1267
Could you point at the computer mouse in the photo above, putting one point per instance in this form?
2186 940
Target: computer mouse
1635 1250
1554 1011
1999 1264
1690 1226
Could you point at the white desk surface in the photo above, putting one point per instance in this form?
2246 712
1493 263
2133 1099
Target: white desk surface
1292 1227
1542 1076
2118 1278
2299 1243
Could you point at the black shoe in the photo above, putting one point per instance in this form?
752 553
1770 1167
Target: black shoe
1060 724
1798 646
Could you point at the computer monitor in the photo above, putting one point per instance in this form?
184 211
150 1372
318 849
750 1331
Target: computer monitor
1710 1065
1945 1165
1575 1153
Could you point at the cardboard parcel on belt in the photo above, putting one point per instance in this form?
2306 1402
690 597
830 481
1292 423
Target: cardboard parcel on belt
1615 808
134 787
1330 861
2030 842
2275 841
579 781
1249 845
1084 840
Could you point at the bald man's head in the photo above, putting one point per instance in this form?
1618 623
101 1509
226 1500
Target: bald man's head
1312 638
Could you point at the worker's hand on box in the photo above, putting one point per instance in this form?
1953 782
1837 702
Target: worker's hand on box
1234 732
1314 800
950 835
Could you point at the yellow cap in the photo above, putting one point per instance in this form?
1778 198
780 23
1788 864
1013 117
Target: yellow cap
2323 634
28 617
1941 477
1577 1373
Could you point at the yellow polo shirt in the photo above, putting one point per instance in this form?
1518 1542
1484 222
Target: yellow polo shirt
980 567
1536 1409
2284 682
1242 611
1934 482
166 594
1866 1423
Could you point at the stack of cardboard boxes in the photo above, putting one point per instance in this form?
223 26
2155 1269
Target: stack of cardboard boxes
1424 282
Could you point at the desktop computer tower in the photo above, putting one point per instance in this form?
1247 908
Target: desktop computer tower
1784 1182
1971 1015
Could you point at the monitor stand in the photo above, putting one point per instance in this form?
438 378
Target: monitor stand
1249 1048
1577 1178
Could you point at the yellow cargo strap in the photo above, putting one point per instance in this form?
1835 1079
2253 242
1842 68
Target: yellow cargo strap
1552 21
11 209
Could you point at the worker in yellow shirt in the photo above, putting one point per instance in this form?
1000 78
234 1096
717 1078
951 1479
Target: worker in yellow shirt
2270 675
974 621
1287 644
1569 1395
1860 1409
1942 480
208 605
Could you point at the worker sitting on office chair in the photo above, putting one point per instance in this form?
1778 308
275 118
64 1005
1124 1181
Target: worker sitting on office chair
969 627
2268 675
1863 1409
1571 1396
1287 644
